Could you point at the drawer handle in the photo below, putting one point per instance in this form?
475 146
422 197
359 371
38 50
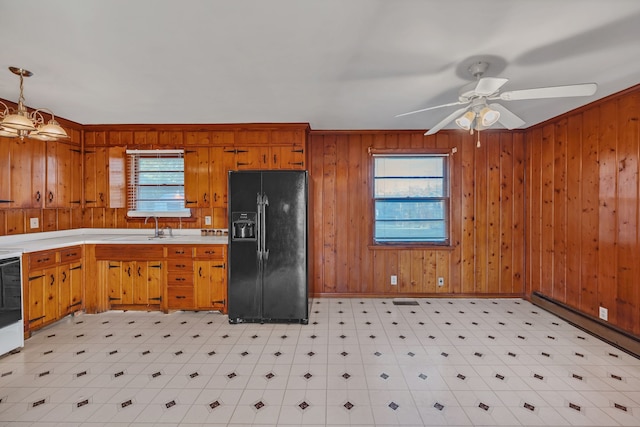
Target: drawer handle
38 196
179 252
64 276
50 196
200 272
180 297
53 280
219 266
210 252
180 265
205 197
71 254
180 279
43 260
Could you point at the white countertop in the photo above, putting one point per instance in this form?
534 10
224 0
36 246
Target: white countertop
32 242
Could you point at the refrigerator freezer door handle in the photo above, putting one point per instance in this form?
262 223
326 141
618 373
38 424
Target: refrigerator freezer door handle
263 227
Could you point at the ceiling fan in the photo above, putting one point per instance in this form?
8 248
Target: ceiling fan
479 114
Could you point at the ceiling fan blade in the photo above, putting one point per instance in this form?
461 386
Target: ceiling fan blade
489 85
446 121
433 108
585 89
507 118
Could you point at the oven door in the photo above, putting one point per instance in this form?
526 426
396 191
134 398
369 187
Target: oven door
11 324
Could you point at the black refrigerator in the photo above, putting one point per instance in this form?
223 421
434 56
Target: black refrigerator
268 265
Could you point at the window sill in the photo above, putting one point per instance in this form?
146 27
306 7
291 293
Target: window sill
404 246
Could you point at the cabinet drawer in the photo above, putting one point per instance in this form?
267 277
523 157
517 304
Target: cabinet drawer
179 252
73 253
42 259
180 278
180 264
211 252
180 297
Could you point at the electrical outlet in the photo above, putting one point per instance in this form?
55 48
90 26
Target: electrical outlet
604 313
207 220
440 281
394 279
34 222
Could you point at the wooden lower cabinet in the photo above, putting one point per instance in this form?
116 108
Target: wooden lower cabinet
134 284
179 277
134 276
196 278
54 286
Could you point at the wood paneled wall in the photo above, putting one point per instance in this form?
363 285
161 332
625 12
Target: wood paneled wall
583 209
487 217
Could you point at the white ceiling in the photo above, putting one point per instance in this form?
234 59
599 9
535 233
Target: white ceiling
336 64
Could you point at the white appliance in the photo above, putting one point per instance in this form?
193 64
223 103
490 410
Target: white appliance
11 317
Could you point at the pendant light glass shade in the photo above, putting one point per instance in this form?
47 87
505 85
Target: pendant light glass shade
20 122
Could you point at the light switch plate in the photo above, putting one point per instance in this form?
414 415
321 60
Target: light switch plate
34 222
207 220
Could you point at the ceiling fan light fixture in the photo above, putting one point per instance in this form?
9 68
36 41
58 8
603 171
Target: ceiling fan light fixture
488 116
20 122
466 120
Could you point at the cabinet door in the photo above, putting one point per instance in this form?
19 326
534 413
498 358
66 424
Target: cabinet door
69 288
218 168
75 286
27 173
210 285
63 175
154 282
112 270
140 285
218 286
36 304
96 182
290 157
64 289
5 172
202 284
196 178
52 299
239 158
127 282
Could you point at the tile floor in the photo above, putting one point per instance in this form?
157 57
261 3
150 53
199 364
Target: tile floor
358 362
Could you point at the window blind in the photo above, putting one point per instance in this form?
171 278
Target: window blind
156 183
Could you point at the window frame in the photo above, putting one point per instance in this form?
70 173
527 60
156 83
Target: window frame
132 213
447 154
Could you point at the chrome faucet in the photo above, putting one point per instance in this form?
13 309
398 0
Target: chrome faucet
157 232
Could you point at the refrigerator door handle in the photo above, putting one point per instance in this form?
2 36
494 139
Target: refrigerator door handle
259 227
263 227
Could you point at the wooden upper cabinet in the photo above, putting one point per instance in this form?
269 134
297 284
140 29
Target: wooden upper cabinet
196 177
218 177
5 172
63 176
96 177
22 173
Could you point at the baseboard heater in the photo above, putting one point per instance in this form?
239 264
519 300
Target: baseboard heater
615 336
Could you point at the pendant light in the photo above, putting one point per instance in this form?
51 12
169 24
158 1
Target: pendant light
20 122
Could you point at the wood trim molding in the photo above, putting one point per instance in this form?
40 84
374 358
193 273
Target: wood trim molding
608 333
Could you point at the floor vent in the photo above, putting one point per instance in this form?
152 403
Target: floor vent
404 302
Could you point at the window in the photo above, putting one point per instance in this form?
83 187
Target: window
411 198
156 183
